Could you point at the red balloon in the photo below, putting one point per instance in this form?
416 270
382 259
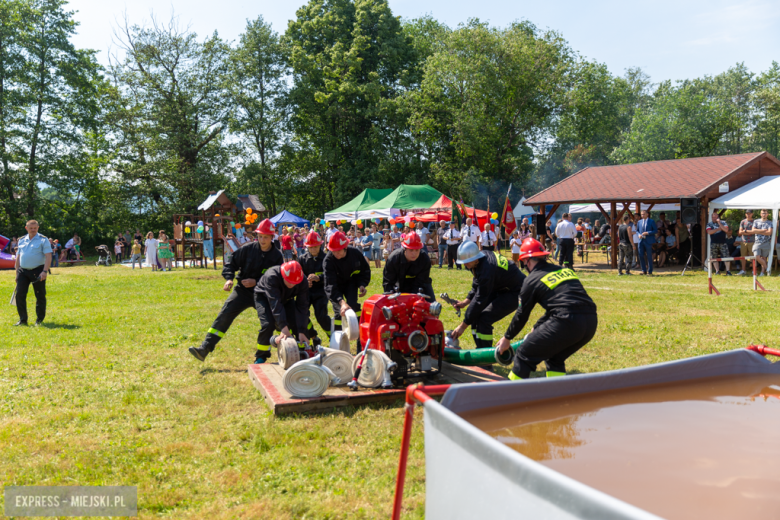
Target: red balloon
391 220
360 226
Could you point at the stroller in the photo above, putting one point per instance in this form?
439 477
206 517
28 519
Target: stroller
104 255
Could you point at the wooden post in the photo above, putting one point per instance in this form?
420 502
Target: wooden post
613 234
704 219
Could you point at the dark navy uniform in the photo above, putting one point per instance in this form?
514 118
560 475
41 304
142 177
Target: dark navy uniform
401 275
249 262
569 323
494 295
279 306
342 280
317 297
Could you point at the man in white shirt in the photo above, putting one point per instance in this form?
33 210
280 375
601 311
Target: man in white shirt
471 232
567 232
488 239
331 229
423 233
453 238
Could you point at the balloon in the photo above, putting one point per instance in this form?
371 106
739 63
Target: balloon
200 229
186 230
399 225
248 211
322 222
232 223
216 215
378 220
338 222
238 226
391 221
188 223
359 222
494 215
360 226
493 221
200 223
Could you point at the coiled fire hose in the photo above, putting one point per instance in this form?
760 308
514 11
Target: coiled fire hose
480 356
376 369
288 353
339 362
308 378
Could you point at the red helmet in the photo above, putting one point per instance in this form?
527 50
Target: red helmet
338 241
313 239
266 227
412 241
531 248
292 272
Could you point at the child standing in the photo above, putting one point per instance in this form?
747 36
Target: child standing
164 253
151 250
118 252
136 255
515 244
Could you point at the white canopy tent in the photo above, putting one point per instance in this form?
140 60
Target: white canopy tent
592 208
763 193
521 211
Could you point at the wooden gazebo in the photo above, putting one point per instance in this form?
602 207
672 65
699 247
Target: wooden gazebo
702 178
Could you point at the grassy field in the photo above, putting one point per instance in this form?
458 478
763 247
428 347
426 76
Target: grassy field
105 392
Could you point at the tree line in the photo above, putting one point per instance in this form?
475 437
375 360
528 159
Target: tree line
348 97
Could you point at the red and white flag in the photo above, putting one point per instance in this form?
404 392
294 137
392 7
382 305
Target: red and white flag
508 218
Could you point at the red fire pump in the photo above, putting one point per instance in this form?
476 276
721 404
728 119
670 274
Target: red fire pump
407 328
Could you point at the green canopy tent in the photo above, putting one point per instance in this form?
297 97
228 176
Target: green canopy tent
408 196
350 211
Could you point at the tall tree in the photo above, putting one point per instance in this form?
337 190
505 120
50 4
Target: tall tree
487 102
348 59
170 112
58 87
258 74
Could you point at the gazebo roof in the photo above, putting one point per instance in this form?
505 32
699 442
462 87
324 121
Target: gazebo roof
658 180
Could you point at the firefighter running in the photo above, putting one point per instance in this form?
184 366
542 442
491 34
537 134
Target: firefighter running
248 265
570 320
282 302
347 274
408 270
311 262
494 292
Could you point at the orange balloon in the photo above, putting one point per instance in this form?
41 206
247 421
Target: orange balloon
238 226
248 211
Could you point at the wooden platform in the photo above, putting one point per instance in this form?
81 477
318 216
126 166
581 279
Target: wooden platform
268 379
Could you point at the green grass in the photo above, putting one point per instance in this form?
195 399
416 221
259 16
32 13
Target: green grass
106 394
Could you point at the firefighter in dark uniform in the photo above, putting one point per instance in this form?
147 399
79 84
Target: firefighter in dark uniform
408 270
569 323
248 264
282 302
347 274
494 292
311 262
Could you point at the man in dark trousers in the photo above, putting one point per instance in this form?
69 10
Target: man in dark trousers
453 239
408 270
33 259
347 274
494 292
248 264
569 323
282 302
566 233
626 246
311 262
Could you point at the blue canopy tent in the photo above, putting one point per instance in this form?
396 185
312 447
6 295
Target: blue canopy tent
285 217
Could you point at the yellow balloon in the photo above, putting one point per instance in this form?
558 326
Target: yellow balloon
359 221
494 215
186 230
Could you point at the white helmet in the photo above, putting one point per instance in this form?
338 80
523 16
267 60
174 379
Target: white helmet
468 252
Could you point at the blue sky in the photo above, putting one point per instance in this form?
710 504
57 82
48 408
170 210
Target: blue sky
667 39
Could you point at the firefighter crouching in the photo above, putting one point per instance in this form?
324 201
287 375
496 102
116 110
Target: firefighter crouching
311 262
408 270
282 302
494 292
569 323
347 274
247 265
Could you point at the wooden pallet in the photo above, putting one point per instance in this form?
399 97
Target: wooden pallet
268 379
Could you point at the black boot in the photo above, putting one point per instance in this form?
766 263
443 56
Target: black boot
200 353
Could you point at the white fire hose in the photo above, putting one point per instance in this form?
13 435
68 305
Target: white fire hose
309 378
376 369
339 362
